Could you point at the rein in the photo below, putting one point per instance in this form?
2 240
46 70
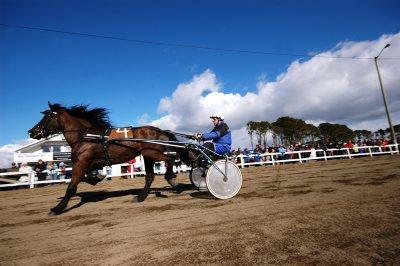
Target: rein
84 131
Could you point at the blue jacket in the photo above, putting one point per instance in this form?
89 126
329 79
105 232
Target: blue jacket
221 137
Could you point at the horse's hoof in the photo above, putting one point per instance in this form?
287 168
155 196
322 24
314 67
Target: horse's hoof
137 199
177 189
160 195
55 211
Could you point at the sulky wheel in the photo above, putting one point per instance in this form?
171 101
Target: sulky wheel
224 186
198 178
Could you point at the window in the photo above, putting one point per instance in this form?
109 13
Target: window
56 148
46 148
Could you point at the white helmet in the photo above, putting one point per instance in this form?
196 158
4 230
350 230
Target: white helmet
217 115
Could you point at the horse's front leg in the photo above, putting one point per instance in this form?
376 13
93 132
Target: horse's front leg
149 167
78 170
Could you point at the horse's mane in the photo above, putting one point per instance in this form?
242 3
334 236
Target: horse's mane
98 117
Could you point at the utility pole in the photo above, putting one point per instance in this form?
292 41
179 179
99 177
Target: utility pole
384 98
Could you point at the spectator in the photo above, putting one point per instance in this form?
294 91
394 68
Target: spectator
384 145
52 168
290 154
350 146
157 166
297 147
239 152
282 152
40 168
339 146
61 171
355 147
131 167
361 146
14 167
257 152
313 153
25 168
246 157
323 146
109 173
137 165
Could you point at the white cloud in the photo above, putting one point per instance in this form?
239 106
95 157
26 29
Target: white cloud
143 119
241 138
7 152
319 89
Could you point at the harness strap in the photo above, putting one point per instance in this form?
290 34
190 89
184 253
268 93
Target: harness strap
105 143
84 131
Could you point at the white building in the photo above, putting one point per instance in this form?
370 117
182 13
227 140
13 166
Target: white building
54 148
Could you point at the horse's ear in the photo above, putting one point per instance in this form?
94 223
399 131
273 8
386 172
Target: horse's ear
50 106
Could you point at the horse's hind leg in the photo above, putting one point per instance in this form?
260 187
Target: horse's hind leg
149 167
170 176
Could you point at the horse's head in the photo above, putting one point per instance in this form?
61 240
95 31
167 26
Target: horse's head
48 125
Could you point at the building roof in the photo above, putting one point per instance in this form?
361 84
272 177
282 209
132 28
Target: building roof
38 144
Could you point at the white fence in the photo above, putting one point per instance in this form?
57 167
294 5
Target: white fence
32 178
307 155
241 160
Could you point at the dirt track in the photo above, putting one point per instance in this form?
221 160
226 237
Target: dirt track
336 212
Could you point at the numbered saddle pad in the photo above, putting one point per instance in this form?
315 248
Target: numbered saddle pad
224 179
198 178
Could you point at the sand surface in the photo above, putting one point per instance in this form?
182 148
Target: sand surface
335 212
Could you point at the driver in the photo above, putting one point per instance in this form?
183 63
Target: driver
220 136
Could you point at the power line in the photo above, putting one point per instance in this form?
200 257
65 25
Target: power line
180 45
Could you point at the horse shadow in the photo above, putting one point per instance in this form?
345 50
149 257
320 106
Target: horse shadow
98 196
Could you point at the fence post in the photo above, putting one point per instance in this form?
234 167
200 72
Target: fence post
241 160
131 166
299 153
393 149
272 159
325 156
32 179
348 153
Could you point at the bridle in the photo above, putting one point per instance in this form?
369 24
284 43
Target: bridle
49 132
48 117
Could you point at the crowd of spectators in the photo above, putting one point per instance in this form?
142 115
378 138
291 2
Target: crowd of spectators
43 171
313 150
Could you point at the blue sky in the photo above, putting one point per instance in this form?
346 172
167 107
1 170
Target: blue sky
130 79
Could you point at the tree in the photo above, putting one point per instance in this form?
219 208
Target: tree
262 128
311 131
251 127
335 132
381 133
362 134
276 134
292 129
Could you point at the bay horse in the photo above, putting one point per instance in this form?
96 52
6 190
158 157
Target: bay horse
78 121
